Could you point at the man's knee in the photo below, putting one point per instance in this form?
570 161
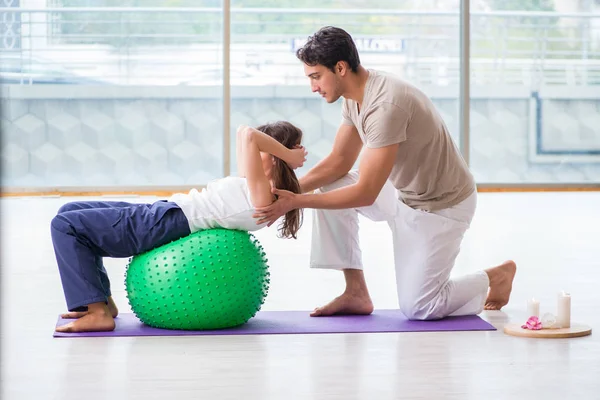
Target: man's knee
422 310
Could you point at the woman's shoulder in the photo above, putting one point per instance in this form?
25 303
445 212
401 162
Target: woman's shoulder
234 189
228 181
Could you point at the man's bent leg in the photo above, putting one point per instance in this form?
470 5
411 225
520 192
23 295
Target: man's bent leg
425 249
335 245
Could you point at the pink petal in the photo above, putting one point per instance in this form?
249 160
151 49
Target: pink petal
533 323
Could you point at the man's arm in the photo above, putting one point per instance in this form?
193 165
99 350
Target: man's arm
385 128
374 169
346 148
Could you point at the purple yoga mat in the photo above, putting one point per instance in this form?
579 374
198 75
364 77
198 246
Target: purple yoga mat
299 322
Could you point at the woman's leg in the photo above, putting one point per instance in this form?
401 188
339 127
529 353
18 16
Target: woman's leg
86 205
83 235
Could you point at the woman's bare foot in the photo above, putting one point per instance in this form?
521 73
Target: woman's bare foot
347 303
112 307
354 301
97 318
501 279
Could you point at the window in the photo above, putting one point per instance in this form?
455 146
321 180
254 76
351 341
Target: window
140 101
535 94
419 41
144 122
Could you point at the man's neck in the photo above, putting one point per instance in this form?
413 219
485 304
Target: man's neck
355 87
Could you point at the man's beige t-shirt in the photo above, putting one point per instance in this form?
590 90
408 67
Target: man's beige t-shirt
429 173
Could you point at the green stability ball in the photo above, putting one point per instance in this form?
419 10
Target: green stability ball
211 279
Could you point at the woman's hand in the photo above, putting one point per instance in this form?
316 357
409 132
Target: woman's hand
297 157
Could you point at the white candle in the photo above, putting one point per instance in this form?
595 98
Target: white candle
533 308
563 318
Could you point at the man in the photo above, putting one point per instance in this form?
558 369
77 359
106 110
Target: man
410 174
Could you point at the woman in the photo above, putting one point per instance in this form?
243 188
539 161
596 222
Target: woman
85 232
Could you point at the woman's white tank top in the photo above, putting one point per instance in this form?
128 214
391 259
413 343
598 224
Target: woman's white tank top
224 203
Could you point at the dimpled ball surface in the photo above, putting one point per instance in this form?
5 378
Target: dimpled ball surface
211 279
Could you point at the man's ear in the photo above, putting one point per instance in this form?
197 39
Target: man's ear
341 67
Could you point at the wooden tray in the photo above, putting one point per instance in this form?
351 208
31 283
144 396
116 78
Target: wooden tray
576 330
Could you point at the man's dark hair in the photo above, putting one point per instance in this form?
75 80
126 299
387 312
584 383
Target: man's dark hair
327 47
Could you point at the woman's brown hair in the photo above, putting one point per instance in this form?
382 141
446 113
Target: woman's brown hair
283 176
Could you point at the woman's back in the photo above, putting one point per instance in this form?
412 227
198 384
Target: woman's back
224 203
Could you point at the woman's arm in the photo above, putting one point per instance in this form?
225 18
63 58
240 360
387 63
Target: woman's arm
258 182
267 144
239 137
251 143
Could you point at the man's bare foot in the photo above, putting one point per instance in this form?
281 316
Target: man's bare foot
112 307
501 279
346 304
354 301
98 318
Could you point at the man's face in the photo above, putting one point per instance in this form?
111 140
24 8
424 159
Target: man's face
323 81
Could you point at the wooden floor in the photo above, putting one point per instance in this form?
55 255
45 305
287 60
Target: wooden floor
553 237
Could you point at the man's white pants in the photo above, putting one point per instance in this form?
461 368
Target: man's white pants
426 245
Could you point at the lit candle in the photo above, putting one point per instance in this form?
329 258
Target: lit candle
533 308
563 318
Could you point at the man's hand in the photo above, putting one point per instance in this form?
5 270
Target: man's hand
298 157
286 202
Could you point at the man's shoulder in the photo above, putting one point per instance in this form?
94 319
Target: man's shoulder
390 78
386 87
